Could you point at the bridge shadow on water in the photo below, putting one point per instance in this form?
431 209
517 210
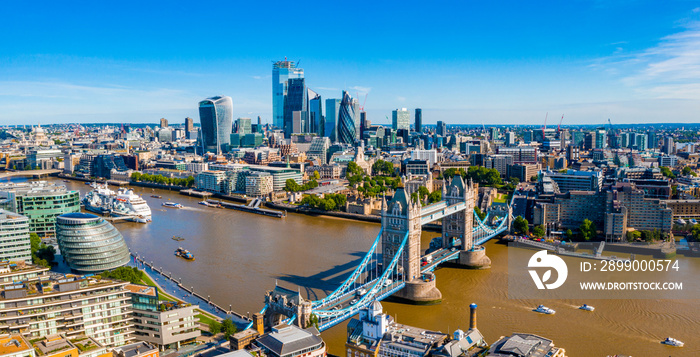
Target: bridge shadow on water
327 280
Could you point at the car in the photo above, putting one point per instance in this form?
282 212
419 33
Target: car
453 249
423 263
388 282
361 292
353 302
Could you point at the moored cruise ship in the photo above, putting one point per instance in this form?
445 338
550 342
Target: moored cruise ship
122 203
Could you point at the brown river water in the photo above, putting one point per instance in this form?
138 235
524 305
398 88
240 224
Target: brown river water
241 255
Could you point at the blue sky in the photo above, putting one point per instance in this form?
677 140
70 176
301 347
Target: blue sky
462 62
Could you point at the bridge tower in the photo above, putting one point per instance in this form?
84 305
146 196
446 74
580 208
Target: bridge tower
457 227
399 217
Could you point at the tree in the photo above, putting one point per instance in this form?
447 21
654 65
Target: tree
313 320
130 274
479 213
228 328
435 196
617 161
538 231
41 253
587 230
569 234
317 176
688 171
520 225
633 236
214 327
534 178
667 172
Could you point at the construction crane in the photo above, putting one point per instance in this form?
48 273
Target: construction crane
362 108
559 126
483 126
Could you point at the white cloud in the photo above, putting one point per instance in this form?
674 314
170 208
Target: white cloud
401 99
669 70
361 90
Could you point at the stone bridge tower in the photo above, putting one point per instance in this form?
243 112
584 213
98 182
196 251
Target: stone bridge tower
284 303
401 216
457 227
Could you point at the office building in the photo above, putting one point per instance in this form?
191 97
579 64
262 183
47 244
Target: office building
163 123
520 154
441 128
282 72
295 107
41 202
210 180
348 120
431 156
419 120
14 237
243 126
498 162
525 345
668 147
96 307
316 120
510 138
258 183
189 124
574 180
137 349
319 149
280 175
401 119
331 124
668 161
216 120
165 324
292 341
89 244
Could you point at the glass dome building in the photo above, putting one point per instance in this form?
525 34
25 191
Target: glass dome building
89 244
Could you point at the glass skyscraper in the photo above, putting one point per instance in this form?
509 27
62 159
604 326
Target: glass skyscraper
296 100
282 71
330 129
348 119
419 120
400 119
315 113
216 119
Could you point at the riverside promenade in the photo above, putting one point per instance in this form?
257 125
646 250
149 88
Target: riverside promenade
173 286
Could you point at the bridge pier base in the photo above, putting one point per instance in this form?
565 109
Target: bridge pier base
419 292
475 258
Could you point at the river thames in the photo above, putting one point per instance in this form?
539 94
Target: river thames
239 256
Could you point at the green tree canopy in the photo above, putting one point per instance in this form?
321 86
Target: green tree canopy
587 230
539 231
520 225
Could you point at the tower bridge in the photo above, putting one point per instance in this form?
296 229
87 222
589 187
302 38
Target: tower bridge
394 264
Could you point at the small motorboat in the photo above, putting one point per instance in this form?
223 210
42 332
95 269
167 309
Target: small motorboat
184 253
586 307
544 310
156 196
672 342
172 205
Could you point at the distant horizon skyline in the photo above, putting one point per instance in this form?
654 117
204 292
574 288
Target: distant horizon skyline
501 63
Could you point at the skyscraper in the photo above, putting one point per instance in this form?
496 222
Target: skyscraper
419 120
163 123
330 129
189 124
216 119
244 125
400 119
441 128
296 100
315 113
282 71
348 119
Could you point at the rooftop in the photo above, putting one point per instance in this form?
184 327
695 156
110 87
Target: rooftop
10 344
285 339
141 289
134 349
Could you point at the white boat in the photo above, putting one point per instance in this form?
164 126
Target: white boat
124 203
586 307
172 205
544 310
672 342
